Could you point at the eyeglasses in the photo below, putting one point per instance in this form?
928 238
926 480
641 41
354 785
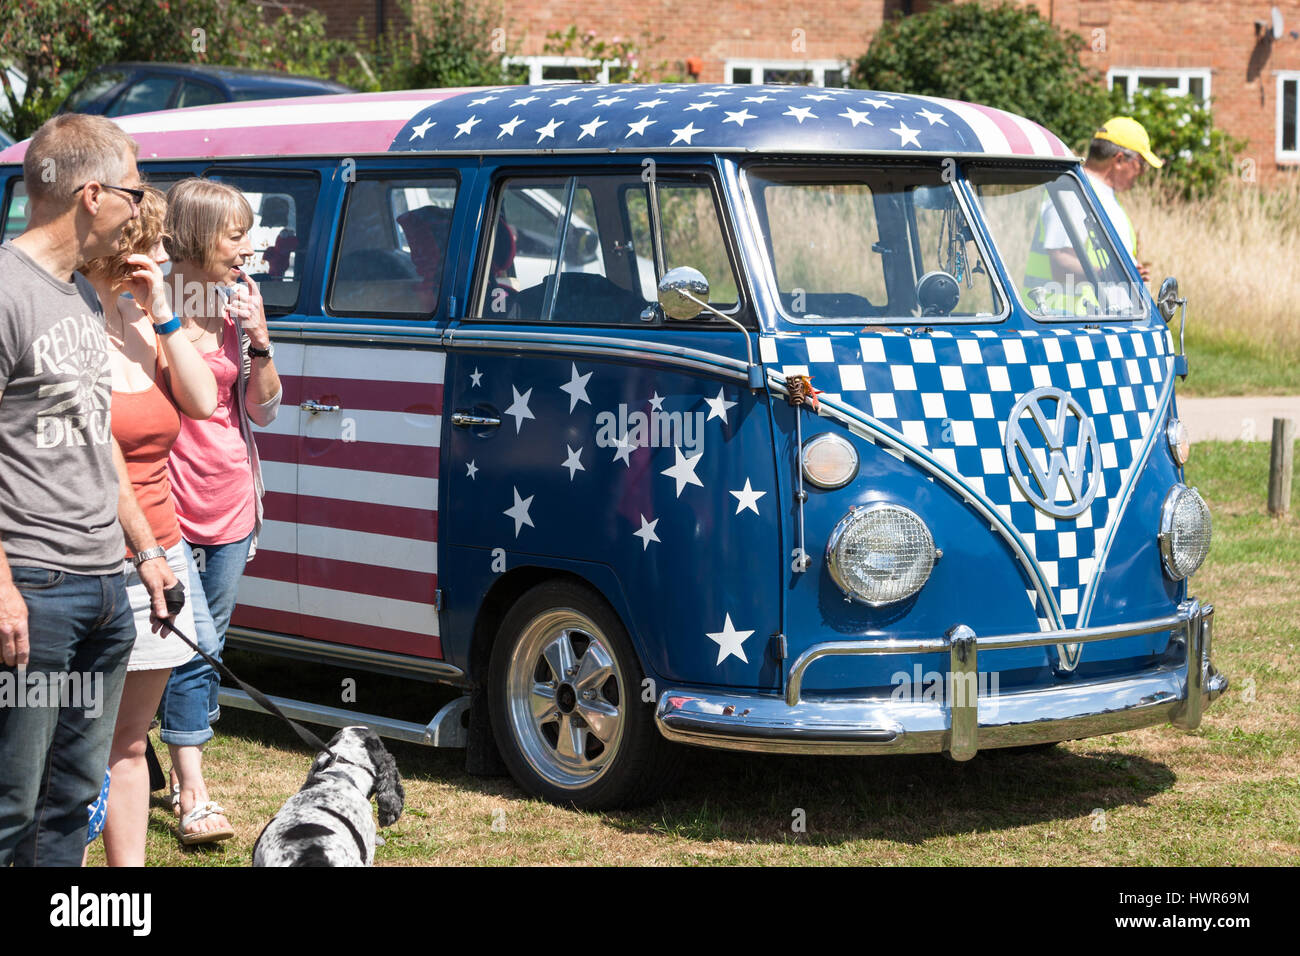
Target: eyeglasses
137 195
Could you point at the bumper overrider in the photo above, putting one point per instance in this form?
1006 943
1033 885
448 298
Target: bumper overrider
961 722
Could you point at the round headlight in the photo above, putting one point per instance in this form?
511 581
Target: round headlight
829 460
1180 445
1184 531
880 554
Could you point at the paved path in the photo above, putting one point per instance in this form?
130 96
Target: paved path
1248 418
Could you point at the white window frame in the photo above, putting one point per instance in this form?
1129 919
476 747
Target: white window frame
1289 156
537 66
817 67
1129 75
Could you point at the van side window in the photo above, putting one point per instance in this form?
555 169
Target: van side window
560 251
283 207
15 213
580 249
393 246
692 236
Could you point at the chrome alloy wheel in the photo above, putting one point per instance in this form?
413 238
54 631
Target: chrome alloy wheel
567 698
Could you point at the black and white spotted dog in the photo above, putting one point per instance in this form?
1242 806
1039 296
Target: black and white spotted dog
328 822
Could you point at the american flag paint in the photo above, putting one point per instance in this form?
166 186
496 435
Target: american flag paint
348 551
714 117
550 117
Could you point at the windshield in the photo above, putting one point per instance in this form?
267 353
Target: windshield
1052 243
870 245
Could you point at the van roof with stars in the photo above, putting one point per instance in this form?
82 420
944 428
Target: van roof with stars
688 117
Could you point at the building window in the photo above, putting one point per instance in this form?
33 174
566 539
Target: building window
563 69
787 72
1288 119
1180 82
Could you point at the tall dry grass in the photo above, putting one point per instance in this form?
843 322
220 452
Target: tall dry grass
1237 260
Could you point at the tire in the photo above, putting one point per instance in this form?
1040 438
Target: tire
588 741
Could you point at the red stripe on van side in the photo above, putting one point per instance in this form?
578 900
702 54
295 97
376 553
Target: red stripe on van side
1058 147
418 398
304 139
400 522
1016 137
337 632
385 582
418 462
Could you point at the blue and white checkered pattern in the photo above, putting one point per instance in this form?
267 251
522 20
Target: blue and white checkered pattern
951 393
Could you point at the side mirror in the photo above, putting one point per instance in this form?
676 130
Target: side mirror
681 291
1167 300
684 294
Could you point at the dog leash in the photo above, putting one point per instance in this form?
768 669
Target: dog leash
175 597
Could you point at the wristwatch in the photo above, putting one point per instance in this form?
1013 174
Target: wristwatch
266 353
148 554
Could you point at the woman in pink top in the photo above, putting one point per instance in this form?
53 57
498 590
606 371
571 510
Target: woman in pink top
159 380
215 475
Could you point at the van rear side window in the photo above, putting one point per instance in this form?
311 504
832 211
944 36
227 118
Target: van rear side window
393 247
283 207
15 220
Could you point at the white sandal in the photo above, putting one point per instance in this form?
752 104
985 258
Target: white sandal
202 812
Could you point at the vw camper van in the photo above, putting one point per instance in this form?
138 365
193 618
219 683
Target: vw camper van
763 418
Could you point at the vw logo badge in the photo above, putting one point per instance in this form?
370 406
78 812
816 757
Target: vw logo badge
1050 443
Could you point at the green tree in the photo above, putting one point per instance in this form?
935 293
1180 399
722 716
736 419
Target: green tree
57 42
453 43
1006 56
1198 157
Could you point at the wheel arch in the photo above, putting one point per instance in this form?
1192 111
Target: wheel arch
515 583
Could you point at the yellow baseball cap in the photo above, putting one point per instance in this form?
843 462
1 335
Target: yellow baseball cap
1128 132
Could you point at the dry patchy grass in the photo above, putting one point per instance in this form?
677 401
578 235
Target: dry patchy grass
1237 258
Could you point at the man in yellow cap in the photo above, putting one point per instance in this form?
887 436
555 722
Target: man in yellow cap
1119 153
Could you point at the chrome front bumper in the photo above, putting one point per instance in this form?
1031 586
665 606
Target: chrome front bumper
963 722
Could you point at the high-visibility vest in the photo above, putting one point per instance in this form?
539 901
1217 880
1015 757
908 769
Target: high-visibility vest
1038 271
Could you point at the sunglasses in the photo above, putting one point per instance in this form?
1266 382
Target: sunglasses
137 195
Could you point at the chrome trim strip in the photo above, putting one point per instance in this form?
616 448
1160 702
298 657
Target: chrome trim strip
407 665
1120 505
867 427
622 348
411 335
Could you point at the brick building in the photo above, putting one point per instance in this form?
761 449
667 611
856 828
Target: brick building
1221 50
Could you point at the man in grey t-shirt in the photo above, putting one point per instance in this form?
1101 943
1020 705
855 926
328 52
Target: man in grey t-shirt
66 627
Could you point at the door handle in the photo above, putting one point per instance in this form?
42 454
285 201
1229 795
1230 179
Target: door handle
466 420
314 407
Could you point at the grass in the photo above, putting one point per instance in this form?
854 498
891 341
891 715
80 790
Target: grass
1237 259
1228 793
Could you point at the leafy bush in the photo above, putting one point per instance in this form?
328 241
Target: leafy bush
1005 56
1198 157
454 43
57 42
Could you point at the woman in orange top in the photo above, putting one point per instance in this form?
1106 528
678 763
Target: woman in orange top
158 375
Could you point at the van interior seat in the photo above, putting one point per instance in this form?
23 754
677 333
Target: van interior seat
584 298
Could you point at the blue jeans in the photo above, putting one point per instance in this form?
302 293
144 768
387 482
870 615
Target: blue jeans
52 758
189 705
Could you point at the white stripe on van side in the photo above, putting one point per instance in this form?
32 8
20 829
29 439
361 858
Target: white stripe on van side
991 138
1035 136
406 616
376 364
359 547
387 428
302 114
371 487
